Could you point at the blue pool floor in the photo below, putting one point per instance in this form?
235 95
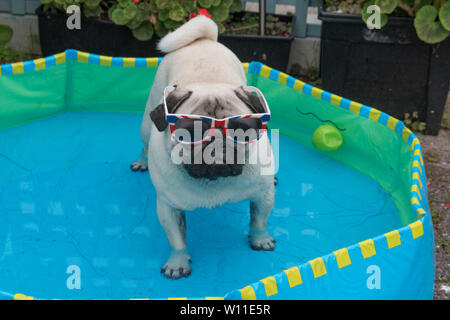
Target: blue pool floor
69 202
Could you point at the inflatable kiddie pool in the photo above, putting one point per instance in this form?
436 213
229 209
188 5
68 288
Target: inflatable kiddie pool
351 221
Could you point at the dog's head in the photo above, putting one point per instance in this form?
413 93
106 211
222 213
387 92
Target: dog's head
217 156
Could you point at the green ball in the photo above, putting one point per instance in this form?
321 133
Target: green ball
327 138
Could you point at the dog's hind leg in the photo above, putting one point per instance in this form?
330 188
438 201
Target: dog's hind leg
173 222
260 209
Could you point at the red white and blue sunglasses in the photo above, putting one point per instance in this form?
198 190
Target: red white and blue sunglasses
195 129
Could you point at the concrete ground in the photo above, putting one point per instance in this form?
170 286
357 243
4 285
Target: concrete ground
436 151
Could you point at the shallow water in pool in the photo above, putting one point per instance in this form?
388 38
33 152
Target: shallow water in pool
71 209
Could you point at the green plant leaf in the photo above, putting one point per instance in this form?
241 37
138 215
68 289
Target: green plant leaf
189 5
144 32
6 34
141 15
153 7
163 15
173 4
386 6
216 3
91 4
111 10
227 3
221 28
428 29
444 15
236 6
130 11
220 13
118 17
205 3
134 24
93 12
160 29
177 13
123 3
171 25
145 6
162 4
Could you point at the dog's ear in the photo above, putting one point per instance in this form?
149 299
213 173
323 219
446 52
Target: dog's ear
174 101
158 116
250 100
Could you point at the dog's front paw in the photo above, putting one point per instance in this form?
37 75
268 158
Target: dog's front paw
261 240
178 265
139 165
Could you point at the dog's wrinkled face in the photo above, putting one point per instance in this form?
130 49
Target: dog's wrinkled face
217 157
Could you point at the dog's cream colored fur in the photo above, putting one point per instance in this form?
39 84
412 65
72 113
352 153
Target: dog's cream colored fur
195 61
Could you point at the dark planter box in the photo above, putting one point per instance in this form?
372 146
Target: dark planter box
95 36
271 50
390 69
106 38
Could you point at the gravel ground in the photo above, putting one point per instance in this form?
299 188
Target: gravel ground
436 152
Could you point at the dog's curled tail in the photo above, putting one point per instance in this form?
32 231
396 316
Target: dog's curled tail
196 28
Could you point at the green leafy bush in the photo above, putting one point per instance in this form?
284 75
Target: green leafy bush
146 18
431 17
6 34
8 55
248 23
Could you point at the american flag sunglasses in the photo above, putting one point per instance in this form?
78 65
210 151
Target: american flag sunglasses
195 129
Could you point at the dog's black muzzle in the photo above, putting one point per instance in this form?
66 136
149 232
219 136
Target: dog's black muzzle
229 168
213 171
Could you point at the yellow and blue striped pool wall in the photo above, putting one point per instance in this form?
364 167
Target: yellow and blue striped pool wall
364 251
346 266
345 263
74 55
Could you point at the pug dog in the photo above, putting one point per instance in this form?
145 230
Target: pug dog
199 76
